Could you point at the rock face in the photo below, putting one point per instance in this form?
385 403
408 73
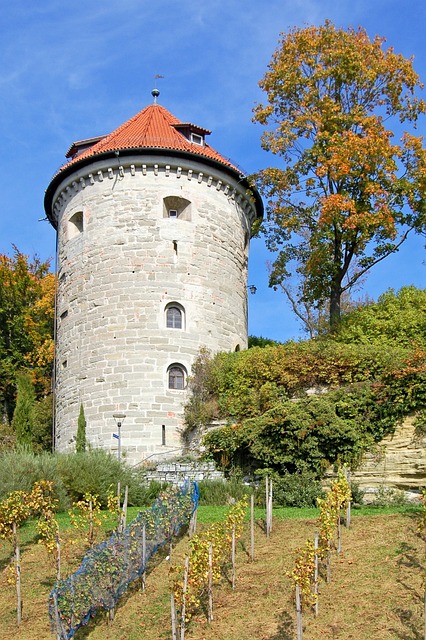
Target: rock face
398 463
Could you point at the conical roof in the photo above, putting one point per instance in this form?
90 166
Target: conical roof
152 128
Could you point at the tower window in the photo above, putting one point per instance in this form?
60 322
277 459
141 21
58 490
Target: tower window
173 318
197 139
163 435
176 377
176 207
75 225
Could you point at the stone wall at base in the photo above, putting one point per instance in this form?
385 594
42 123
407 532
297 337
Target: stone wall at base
177 472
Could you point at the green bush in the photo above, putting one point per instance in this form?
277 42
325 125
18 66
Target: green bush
296 490
20 469
73 475
220 492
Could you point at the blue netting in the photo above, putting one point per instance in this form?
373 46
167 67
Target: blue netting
107 570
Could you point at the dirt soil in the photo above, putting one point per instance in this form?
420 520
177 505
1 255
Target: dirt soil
376 591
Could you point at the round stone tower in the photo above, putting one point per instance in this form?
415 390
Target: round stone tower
153 229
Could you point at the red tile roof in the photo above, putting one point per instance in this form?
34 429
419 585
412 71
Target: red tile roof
152 128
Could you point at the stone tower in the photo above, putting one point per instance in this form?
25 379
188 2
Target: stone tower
153 229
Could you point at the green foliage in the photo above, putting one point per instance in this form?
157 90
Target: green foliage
23 416
220 492
296 490
388 497
292 437
80 443
42 424
26 324
73 475
260 341
248 383
302 406
19 470
396 318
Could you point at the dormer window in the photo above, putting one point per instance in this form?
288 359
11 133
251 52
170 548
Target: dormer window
193 133
197 139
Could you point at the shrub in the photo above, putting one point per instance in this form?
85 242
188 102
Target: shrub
20 469
73 475
219 492
296 490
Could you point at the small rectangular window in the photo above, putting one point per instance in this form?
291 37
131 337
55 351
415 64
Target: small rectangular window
163 435
196 139
173 213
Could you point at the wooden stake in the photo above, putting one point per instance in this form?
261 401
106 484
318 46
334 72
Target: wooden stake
124 509
252 526
348 506
267 505
328 564
316 571
339 529
144 555
233 556
58 556
270 507
17 574
299 614
210 584
424 613
118 506
90 523
185 585
173 614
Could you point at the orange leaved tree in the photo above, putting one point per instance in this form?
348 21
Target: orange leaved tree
348 192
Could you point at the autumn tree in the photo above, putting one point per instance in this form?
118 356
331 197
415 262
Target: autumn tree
348 194
26 325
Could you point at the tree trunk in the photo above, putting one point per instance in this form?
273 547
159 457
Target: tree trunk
335 296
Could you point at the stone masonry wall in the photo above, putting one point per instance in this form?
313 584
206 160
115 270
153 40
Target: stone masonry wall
120 263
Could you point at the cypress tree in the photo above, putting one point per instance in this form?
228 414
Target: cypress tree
80 443
23 416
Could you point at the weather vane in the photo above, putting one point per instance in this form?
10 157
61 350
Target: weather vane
155 92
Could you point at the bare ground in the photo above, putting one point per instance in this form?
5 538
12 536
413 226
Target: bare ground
376 591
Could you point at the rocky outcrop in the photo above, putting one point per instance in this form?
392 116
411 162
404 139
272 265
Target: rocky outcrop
399 462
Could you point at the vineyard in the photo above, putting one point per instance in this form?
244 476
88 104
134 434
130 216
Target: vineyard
375 590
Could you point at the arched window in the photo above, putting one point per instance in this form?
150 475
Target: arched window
75 225
176 377
173 318
176 207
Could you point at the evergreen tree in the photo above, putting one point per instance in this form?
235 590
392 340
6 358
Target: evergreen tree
80 443
23 415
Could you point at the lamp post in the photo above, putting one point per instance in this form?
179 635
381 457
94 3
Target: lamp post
119 419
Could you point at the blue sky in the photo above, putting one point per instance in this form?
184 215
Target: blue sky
73 70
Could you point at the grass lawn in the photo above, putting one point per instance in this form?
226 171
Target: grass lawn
376 589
